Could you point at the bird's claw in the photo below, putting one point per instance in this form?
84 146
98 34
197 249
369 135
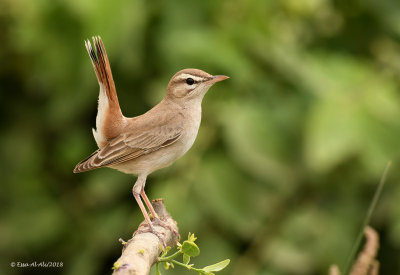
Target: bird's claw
150 229
159 222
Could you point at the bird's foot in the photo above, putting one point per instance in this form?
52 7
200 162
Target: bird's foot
159 222
149 228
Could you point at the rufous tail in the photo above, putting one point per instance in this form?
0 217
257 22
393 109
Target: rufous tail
109 120
102 68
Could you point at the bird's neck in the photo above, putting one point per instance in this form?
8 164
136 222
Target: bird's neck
187 104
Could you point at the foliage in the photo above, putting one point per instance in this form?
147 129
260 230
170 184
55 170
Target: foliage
187 250
288 153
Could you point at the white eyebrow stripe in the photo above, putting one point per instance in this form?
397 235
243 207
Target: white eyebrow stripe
195 78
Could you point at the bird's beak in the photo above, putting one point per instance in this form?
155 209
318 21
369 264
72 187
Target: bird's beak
218 78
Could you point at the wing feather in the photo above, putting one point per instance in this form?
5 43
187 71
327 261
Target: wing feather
131 145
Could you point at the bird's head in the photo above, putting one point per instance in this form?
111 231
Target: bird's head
191 84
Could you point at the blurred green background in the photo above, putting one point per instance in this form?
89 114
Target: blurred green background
288 156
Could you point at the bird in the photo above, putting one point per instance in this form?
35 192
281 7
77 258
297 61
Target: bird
143 144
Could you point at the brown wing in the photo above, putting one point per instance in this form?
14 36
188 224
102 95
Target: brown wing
133 144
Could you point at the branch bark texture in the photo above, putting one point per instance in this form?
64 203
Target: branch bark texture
142 251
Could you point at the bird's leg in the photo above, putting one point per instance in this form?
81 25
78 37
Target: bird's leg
156 218
143 209
139 185
148 203
137 190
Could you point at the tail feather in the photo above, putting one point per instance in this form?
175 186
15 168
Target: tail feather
102 68
109 116
109 120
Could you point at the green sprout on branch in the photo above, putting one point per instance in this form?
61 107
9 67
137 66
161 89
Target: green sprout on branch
187 249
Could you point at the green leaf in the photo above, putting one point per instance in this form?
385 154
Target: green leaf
217 267
190 248
186 258
191 237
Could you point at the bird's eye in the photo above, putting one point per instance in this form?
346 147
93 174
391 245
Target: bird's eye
189 81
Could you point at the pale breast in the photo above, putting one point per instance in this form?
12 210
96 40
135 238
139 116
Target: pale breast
192 127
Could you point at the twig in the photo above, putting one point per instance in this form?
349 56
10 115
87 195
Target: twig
142 251
334 270
366 263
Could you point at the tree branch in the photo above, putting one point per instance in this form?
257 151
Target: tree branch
142 251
